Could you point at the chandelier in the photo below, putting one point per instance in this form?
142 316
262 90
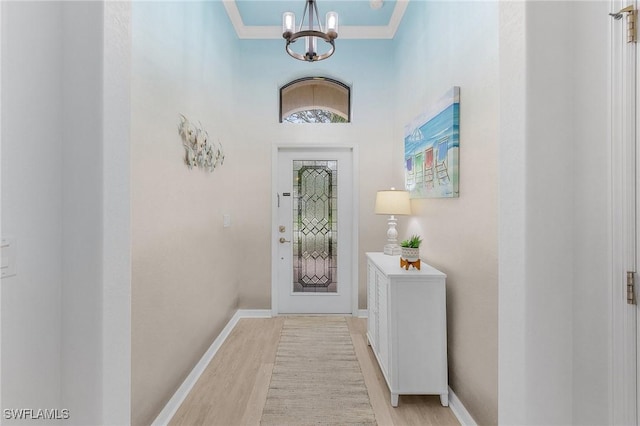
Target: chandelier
311 34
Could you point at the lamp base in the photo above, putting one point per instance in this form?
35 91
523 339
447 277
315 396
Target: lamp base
392 249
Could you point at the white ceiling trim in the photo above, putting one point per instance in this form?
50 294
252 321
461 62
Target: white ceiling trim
346 32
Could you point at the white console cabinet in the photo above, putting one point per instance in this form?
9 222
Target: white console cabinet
407 326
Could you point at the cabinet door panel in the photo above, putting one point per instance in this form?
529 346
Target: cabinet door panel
420 348
372 307
383 321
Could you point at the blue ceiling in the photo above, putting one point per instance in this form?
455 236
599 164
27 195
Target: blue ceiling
351 12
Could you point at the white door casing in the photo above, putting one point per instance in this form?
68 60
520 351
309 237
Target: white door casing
345 299
623 99
1 404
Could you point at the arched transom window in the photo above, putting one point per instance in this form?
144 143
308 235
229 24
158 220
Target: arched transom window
315 100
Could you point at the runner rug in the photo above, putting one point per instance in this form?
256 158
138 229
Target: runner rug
316 378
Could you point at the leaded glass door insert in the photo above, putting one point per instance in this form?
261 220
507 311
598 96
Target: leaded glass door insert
315 228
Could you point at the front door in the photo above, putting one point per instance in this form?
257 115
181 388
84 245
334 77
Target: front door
313 231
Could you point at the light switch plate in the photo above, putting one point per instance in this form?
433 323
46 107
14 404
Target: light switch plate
226 220
8 249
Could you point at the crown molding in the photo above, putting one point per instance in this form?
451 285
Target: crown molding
346 32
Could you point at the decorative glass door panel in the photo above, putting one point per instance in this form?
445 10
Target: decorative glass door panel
315 228
313 270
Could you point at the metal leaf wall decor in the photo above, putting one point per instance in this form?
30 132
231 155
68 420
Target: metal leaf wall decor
200 151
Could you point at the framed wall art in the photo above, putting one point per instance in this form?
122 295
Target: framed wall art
431 149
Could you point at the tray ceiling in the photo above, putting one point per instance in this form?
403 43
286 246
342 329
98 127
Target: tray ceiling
261 19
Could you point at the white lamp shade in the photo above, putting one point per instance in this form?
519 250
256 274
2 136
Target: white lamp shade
393 202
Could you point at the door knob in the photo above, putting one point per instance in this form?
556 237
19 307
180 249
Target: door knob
282 240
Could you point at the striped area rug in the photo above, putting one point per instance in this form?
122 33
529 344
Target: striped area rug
316 378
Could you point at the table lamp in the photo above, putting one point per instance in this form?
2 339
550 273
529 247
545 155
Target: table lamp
393 203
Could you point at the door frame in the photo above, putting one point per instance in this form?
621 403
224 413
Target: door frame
624 199
276 148
1 7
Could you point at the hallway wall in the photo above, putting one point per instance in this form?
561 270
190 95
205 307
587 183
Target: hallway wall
32 209
53 352
82 222
549 113
184 272
440 45
555 216
591 224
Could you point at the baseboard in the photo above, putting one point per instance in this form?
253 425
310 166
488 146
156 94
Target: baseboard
180 395
363 313
459 410
254 313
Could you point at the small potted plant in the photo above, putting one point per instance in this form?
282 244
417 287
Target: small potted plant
410 249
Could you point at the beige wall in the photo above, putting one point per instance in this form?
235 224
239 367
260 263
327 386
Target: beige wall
184 281
458 46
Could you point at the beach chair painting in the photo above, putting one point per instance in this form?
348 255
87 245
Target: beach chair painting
441 163
428 168
408 172
419 168
431 149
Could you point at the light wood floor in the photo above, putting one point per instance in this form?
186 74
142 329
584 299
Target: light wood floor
233 389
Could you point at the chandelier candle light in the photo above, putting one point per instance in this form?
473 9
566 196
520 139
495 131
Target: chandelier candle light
393 203
311 34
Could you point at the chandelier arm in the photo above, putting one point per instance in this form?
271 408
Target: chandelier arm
304 13
315 6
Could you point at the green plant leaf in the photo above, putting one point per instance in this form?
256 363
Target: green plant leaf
414 242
